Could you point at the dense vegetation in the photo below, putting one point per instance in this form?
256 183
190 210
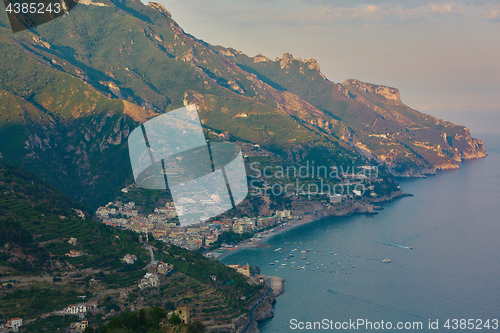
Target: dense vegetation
227 281
34 213
37 221
152 320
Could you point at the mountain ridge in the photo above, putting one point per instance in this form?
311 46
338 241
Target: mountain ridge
73 91
376 106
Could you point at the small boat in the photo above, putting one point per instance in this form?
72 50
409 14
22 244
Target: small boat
386 260
271 263
303 251
276 261
283 264
279 248
290 255
304 257
286 259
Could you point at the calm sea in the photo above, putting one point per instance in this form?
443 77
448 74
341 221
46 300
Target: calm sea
443 243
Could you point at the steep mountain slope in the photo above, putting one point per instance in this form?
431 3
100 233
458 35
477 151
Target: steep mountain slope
408 141
73 97
72 90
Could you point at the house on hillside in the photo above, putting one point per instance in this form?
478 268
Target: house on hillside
80 326
76 309
73 253
149 280
15 323
129 259
6 283
245 269
164 268
183 312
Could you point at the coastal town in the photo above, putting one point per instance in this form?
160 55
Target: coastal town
160 225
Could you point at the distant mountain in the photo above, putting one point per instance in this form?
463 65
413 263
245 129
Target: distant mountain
380 125
72 90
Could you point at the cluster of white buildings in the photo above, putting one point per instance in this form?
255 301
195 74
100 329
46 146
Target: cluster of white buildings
283 214
149 280
14 324
79 309
76 309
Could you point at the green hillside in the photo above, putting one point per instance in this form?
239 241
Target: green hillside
36 222
73 89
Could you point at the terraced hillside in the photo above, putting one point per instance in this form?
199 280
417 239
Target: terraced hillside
36 223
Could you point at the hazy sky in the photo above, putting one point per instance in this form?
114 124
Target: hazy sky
440 54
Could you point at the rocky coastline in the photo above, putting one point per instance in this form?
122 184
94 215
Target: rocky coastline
265 310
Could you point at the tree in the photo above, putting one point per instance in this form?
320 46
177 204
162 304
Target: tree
89 329
175 319
254 270
142 317
169 306
196 327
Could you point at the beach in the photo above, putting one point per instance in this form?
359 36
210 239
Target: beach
259 239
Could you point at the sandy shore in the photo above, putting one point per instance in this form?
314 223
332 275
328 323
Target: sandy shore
216 254
308 218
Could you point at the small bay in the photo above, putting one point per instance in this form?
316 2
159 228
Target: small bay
443 243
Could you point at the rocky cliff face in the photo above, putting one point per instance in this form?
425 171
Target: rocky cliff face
265 310
386 92
277 285
370 118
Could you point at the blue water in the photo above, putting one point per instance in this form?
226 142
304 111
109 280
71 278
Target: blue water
451 224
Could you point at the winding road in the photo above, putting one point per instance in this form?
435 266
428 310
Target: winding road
250 322
152 262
